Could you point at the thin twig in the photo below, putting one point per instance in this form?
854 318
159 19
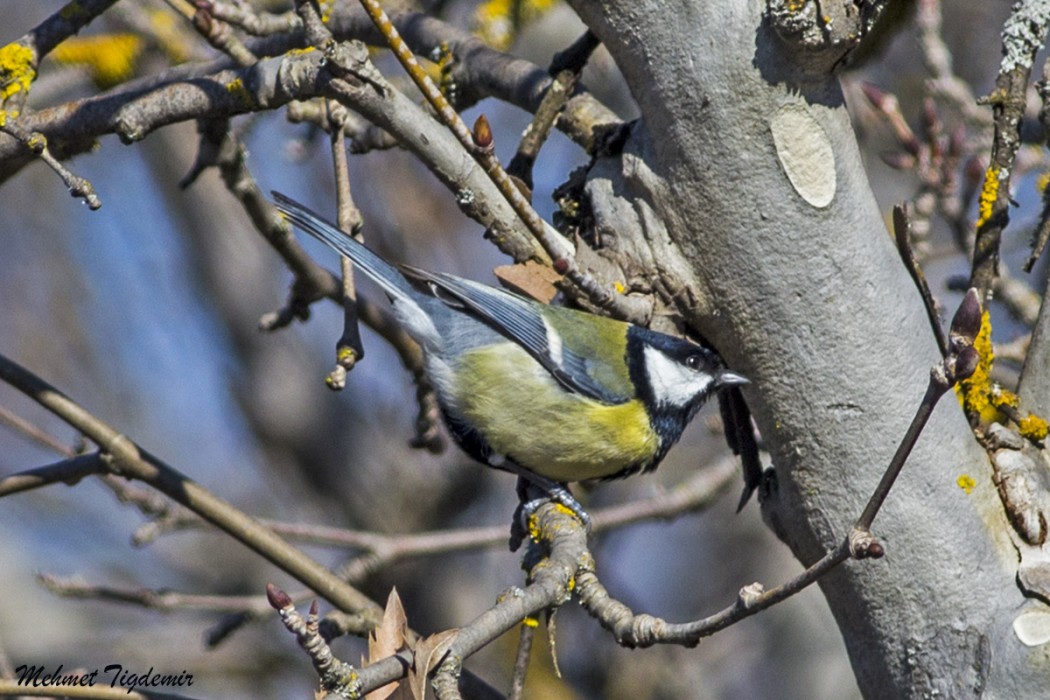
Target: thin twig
162 601
348 349
220 35
521 659
37 145
34 433
68 471
565 70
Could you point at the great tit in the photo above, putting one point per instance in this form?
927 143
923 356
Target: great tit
552 394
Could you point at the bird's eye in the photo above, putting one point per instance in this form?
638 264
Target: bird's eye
693 362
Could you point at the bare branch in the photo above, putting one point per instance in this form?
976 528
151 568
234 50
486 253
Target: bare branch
37 145
1023 36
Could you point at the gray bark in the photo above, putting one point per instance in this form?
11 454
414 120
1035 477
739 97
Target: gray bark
808 298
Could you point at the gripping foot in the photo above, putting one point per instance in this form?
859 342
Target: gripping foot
533 492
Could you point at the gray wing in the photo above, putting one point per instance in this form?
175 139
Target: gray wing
519 320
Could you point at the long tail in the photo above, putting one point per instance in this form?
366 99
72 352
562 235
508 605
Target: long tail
385 275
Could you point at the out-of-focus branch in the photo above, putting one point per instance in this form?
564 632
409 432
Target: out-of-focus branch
14 688
162 601
68 471
130 461
944 82
693 495
256 23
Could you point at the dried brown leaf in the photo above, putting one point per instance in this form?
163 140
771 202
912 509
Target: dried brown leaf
428 654
531 279
387 639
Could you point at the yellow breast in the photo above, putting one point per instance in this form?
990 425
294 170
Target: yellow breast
524 414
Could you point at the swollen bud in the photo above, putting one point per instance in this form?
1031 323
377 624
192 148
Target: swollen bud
966 362
278 599
483 133
966 324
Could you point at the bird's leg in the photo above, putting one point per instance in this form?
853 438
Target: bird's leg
533 491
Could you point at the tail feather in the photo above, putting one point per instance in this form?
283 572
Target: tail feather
383 273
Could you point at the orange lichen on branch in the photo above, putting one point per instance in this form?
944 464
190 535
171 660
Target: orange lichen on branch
16 70
989 193
966 483
110 58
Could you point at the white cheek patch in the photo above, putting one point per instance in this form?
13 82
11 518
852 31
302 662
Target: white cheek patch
672 382
553 343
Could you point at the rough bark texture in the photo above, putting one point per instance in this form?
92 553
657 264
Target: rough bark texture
812 303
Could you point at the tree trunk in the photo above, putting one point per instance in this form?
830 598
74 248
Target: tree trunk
796 282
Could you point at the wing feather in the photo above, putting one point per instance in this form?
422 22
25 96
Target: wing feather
520 320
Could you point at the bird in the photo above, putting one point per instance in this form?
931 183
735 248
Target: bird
552 394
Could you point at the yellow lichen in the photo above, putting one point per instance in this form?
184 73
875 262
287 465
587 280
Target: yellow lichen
989 192
1034 428
326 10
975 393
110 58
345 353
619 287
37 142
983 398
236 87
531 621
966 483
498 22
299 52
534 527
16 70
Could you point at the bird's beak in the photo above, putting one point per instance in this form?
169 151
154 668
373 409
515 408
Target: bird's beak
728 378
